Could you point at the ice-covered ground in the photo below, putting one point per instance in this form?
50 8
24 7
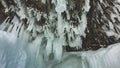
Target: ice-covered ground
16 54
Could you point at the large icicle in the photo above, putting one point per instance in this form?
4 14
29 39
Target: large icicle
58 42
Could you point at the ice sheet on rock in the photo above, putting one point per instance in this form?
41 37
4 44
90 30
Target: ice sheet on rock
102 58
11 53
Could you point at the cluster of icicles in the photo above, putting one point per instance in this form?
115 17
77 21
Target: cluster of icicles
53 32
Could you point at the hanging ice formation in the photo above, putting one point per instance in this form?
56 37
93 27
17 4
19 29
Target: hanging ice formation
29 23
16 54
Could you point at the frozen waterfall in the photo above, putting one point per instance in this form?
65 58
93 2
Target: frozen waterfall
14 54
59 34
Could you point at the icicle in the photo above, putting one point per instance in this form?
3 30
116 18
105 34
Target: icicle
18 28
68 15
3 25
49 45
16 23
83 21
31 22
21 31
49 48
87 6
10 28
58 42
57 49
60 25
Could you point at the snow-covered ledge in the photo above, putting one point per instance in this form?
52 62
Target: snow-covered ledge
103 58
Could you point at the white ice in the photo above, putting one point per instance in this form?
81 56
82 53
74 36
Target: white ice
14 54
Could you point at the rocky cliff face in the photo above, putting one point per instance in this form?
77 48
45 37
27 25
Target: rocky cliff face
103 23
72 25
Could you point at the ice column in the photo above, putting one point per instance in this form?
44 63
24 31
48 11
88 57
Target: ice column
57 43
